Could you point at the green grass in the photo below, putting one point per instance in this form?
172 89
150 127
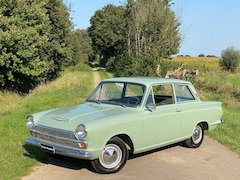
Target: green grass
103 74
225 88
228 133
17 158
73 87
8 101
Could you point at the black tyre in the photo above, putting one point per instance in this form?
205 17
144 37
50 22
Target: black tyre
113 158
196 139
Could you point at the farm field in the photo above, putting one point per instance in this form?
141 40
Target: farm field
215 84
73 87
201 63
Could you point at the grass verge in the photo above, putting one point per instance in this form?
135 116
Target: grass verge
228 133
17 158
103 74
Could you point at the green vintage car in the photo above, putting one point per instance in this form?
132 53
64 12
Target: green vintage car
125 116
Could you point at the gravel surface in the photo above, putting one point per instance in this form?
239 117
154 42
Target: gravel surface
210 161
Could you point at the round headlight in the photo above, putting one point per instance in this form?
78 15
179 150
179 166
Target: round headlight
30 121
81 131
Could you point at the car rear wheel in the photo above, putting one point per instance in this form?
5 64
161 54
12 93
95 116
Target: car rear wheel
196 139
113 157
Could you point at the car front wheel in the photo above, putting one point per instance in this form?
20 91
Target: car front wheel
196 139
113 157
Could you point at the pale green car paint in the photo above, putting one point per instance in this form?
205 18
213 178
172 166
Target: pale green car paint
148 127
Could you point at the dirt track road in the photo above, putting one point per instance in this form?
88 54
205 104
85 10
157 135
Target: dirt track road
210 161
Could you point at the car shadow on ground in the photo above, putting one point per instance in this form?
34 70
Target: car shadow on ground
61 161
74 163
156 150
70 163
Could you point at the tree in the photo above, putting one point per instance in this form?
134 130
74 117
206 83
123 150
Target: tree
143 32
201 55
152 29
59 49
33 42
230 59
82 45
107 31
24 31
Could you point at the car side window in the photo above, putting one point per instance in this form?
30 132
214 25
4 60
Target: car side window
183 93
163 94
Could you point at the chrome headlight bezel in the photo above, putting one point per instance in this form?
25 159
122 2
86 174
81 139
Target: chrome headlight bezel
81 131
30 121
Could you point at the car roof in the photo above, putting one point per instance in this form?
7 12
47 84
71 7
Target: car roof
147 80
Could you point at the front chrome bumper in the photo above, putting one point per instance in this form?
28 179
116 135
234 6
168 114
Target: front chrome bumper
55 149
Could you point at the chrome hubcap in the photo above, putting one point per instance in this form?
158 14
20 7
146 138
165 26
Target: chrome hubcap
111 156
197 134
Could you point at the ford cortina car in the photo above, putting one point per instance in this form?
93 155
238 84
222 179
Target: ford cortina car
125 116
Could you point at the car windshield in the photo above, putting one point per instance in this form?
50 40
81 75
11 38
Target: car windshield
118 93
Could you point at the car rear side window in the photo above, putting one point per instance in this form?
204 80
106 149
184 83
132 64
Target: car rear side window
183 93
163 94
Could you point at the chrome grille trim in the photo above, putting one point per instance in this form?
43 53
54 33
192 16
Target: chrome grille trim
55 132
56 136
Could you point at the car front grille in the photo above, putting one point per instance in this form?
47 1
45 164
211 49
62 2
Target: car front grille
55 136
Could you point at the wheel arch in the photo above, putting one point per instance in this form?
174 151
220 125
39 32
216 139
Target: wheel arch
127 140
204 125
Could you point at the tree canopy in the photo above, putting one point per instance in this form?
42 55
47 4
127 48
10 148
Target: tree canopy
107 30
37 40
230 59
138 35
33 42
82 45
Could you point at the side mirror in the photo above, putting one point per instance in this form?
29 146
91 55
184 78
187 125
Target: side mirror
151 106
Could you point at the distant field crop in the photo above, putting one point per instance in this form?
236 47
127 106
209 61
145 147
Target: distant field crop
200 63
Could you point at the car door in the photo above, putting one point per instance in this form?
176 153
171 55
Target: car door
188 108
161 124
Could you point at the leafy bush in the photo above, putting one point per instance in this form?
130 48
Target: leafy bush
131 66
34 45
230 59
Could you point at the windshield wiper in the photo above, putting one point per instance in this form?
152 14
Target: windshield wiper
98 102
119 103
